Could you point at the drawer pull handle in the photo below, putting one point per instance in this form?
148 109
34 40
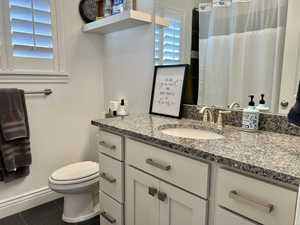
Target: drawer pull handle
152 191
108 217
106 145
162 196
268 208
108 178
158 165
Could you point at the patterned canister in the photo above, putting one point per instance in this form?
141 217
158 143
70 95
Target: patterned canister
250 119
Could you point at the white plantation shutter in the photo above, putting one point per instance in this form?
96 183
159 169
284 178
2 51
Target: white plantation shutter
32 41
168 43
31 28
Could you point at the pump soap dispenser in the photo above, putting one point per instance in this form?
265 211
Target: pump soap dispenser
250 117
262 107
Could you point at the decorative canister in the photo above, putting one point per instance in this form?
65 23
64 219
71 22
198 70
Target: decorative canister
250 119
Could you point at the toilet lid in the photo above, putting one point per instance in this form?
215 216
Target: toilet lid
76 171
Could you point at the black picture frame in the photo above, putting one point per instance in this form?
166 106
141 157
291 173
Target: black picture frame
178 114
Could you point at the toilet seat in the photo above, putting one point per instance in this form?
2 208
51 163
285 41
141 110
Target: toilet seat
79 185
75 173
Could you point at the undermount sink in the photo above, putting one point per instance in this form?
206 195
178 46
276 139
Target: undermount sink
192 133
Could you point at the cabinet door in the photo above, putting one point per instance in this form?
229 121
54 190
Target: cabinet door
178 207
224 217
142 204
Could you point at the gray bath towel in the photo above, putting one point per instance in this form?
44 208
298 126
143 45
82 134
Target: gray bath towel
15 156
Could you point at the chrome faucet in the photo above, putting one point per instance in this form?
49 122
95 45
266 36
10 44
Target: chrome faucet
209 117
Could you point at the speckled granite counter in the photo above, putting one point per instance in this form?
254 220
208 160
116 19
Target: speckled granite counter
269 155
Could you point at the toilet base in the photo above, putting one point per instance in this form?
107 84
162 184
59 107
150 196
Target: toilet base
80 207
81 218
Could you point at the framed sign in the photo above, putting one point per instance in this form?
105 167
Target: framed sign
167 90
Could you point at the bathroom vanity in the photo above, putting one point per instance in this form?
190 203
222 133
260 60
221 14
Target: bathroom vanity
148 177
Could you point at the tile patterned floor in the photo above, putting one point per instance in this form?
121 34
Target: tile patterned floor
47 214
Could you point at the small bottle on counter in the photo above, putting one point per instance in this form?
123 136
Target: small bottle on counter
113 108
122 109
250 117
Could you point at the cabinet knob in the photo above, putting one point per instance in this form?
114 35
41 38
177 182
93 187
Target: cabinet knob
152 191
284 103
162 196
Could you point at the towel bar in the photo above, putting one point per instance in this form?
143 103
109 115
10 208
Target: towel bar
44 92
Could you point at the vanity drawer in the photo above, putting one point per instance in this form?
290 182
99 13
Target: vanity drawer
181 171
260 201
112 177
111 144
225 217
111 212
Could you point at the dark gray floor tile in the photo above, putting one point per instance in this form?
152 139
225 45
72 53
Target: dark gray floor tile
93 221
60 203
12 220
47 214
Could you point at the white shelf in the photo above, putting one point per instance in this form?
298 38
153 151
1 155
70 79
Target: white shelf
161 21
122 21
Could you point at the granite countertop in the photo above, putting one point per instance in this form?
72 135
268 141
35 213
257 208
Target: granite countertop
269 155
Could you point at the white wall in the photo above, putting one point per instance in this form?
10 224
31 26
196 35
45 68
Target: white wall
128 67
128 64
60 124
128 58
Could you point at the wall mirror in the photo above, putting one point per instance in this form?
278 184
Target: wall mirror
236 48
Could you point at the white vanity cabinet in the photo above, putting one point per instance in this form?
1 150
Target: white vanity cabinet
257 200
141 184
150 201
111 171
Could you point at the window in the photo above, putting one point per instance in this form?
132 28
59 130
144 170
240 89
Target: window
168 43
31 28
31 42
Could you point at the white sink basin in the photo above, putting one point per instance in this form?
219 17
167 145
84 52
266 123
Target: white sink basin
192 133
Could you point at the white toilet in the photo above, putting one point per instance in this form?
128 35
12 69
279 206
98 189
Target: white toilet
79 183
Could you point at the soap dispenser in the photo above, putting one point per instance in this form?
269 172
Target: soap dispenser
262 107
250 117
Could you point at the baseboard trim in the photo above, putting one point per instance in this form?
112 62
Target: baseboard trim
26 201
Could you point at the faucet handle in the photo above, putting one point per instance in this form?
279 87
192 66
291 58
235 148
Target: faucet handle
205 116
220 122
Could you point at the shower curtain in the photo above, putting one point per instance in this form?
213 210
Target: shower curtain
241 47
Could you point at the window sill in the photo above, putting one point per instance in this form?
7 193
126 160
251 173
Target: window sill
33 77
